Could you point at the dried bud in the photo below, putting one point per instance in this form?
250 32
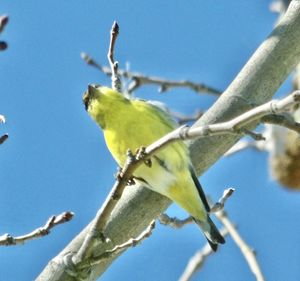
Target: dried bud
3 45
3 22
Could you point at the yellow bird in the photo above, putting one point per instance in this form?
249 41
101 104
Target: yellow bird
132 123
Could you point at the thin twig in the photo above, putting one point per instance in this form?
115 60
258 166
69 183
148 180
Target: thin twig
8 240
115 79
119 248
218 206
3 138
183 119
140 79
178 223
247 251
282 120
197 261
165 85
233 126
243 145
174 222
3 23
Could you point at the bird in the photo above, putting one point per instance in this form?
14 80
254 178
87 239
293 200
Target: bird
129 124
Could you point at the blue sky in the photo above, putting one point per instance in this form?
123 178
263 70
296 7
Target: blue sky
56 159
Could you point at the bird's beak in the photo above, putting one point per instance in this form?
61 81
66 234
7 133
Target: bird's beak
92 88
89 94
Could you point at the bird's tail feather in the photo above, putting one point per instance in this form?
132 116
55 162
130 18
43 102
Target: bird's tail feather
211 233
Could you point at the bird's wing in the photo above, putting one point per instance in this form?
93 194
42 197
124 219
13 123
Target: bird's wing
200 190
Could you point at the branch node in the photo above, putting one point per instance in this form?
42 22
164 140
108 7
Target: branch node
273 106
206 130
183 133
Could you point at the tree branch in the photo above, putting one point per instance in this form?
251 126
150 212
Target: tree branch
183 119
174 222
248 253
3 23
8 240
4 137
139 79
282 120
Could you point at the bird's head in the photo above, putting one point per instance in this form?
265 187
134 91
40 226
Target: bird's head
102 103
92 93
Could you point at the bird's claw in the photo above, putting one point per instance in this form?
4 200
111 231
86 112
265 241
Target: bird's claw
141 154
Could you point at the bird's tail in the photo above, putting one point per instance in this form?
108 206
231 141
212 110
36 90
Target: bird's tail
211 233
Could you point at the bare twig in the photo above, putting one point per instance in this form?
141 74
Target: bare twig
3 23
174 222
248 252
140 79
197 261
183 119
178 223
119 248
8 240
165 85
282 120
115 79
3 138
233 126
243 145
218 206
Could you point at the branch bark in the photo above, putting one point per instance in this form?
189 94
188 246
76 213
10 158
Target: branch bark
255 84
